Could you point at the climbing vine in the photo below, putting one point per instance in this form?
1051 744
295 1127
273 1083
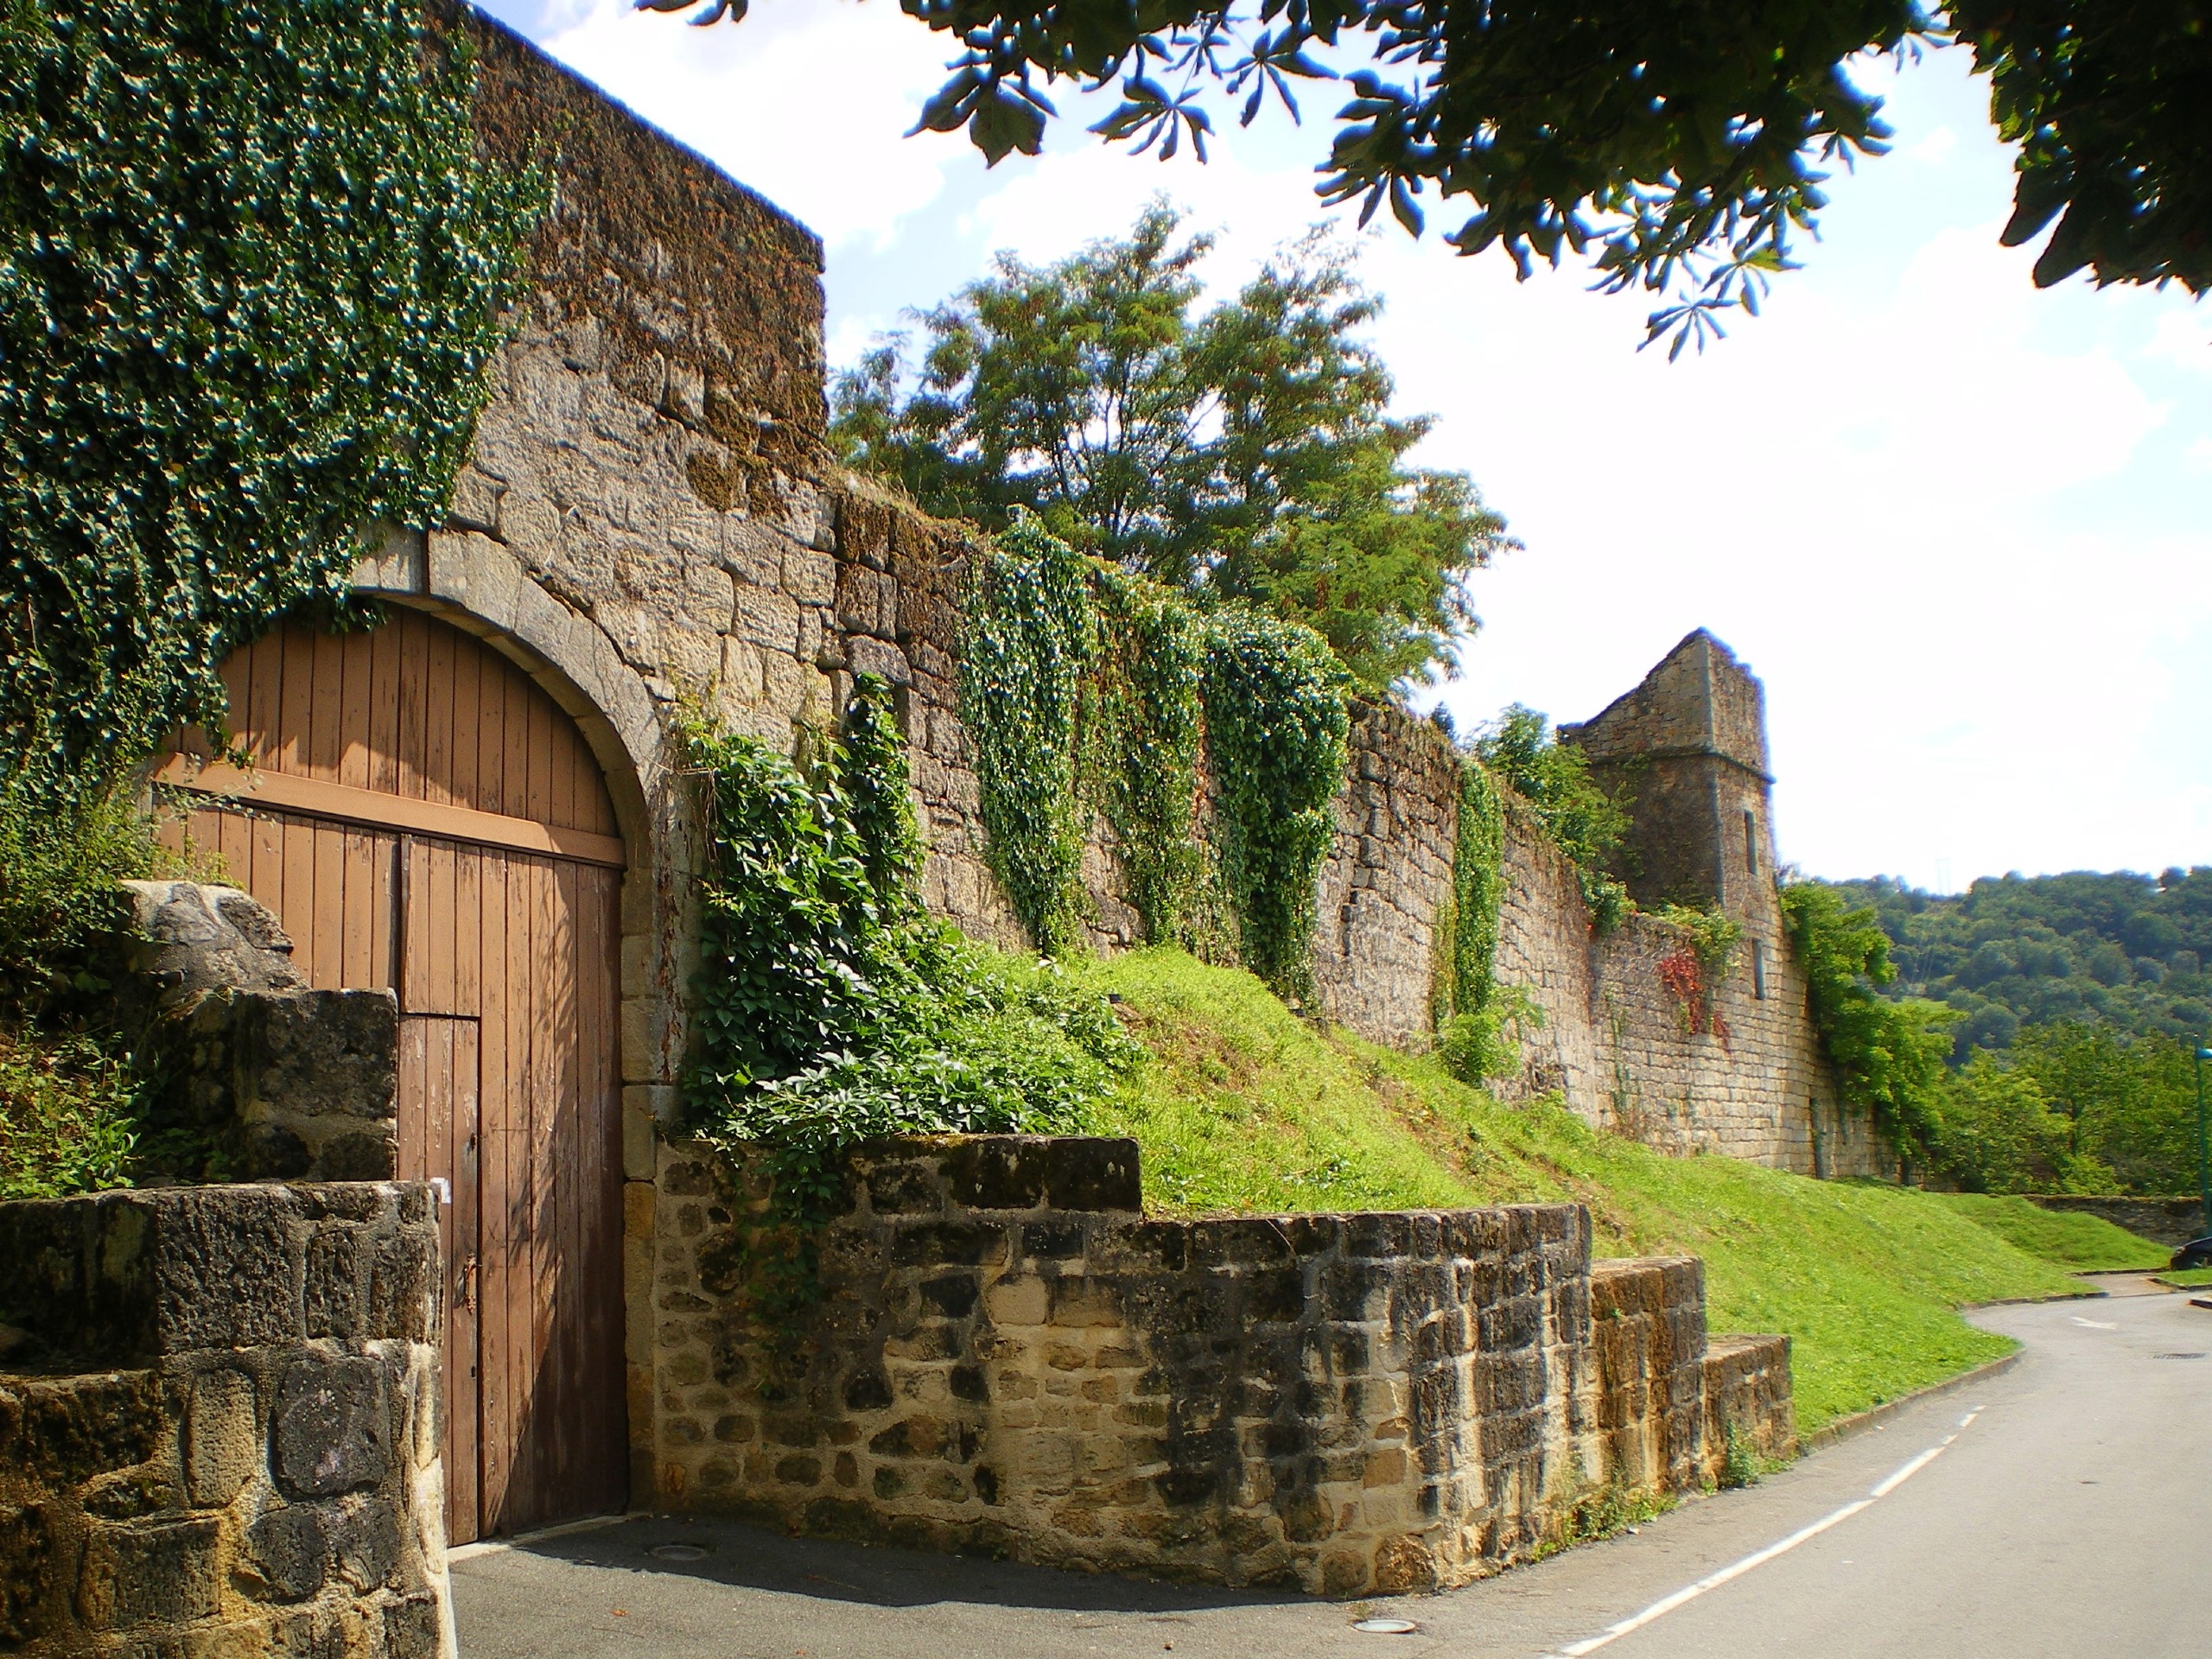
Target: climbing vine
1695 964
1081 688
252 271
828 1010
1469 1025
1029 636
1276 732
1145 731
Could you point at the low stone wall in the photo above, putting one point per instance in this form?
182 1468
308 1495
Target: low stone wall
218 1412
286 1082
1747 1394
1647 1333
2172 1222
1009 1356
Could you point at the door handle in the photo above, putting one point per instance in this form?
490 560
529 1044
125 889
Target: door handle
465 1286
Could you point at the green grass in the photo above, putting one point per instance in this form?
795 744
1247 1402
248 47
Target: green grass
2083 1244
1243 1107
2186 1278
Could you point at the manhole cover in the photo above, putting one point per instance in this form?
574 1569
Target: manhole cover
2177 1356
678 1551
1385 1626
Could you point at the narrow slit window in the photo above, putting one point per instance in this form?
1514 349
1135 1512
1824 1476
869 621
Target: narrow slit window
1758 968
1751 843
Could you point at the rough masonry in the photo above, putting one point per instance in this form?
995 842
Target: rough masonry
1009 1356
219 1424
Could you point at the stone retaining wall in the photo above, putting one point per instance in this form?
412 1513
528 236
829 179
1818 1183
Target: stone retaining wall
218 1412
1009 1356
2172 1222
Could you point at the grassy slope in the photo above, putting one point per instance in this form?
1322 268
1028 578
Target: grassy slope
1245 1108
2085 1244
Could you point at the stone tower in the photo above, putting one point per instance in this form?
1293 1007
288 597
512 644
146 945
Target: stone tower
1686 752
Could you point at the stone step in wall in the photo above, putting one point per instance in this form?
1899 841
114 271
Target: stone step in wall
218 1411
1009 1356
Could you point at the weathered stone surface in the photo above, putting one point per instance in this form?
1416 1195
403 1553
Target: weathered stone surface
223 1442
333 1428
1348 1404
289 1550
158 1574
146 1510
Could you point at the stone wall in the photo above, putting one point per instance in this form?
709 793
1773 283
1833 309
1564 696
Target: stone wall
2173 1222
649 513
219 1424
280 1081
1009 1356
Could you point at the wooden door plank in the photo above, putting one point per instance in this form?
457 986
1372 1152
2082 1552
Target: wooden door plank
472 662
323 743
324 946
605 1384
438 716
496 1224
355 652
264 709
414 675
546 1157
289 745
569 1138
413 1161
383 710
467 923
433 994
464 1274
357 920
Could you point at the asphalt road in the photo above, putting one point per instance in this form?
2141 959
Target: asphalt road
2066 1511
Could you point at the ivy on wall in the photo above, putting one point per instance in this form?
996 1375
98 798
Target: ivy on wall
1145 731
827 1009
1082 687
1277 731
252 271
1029 636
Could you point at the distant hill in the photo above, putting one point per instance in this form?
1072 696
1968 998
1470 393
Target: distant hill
2126 951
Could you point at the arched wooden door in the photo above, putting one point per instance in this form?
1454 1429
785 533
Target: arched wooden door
422 818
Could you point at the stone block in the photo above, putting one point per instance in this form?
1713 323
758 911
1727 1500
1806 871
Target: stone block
223 1441
288 1550
148 1572
332 1428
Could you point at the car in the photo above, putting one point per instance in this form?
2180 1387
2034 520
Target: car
2197 1253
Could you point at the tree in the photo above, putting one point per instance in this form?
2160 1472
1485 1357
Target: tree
1888 1056
1553 778
1679 143
1246 454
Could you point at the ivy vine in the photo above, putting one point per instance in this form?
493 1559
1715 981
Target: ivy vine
252 273
1081 688
828 1009
1145 731
1277 734
1029 635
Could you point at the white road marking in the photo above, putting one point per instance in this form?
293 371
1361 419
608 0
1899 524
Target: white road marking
2096 1325
1666 1605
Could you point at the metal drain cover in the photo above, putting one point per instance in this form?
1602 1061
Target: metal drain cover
678 1551
1385 1626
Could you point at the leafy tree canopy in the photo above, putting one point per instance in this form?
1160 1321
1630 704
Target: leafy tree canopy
1243 454
1679 145
2123 950
1519 750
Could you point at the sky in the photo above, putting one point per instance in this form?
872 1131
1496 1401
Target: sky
1955 524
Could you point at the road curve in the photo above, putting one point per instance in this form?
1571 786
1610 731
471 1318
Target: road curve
2069 1518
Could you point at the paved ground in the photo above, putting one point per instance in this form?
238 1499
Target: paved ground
2069 1517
